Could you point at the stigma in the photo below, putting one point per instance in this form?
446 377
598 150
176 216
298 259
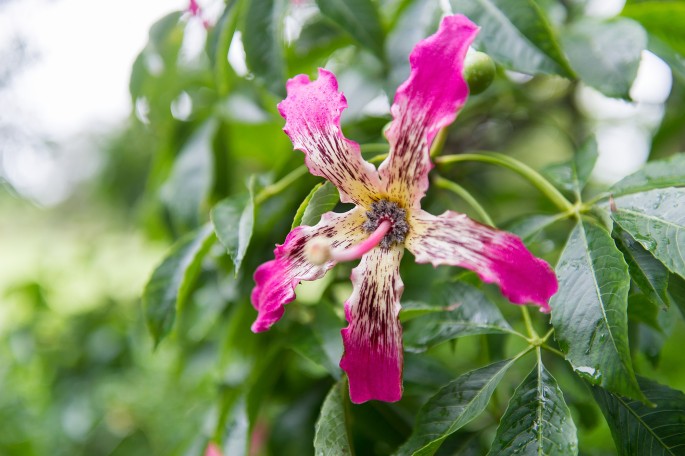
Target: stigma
385 210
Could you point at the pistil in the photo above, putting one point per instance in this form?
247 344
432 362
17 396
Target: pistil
319 251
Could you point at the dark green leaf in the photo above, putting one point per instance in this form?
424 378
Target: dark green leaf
171 282
452 407
527 227
605 54
331 438
573 175
663 19
189 183
358 18
262 42
537 420
517 35
321 199
656 174
233 220
589 312
656 219
651 340
676 290
413 309
640 429
646 271
467 312
320 341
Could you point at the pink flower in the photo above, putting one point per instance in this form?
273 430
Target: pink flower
388 217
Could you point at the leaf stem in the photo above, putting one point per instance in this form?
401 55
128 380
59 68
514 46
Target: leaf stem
518 167
438 142
529 324
280 185
553 350
465 195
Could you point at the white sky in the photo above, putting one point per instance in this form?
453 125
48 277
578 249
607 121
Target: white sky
84 50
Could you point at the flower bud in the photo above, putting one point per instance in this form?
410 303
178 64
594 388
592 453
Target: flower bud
479 71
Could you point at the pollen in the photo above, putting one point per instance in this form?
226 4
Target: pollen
387 210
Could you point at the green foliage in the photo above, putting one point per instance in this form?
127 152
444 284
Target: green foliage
618 314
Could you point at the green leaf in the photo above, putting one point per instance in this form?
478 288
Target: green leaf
358 18
233 220
656 174
218 43
452 407
527 227
589 312
605 55
663 19
320 341
321 199
262 43
517 35
641 429
537 420
574 174
189 183
171 282
656 219
468 312
331 434
676 290
646 271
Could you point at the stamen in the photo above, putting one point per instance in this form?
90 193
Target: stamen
357 251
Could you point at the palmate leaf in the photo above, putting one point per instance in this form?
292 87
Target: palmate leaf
605 54
233 220
574 174
662 19
320 340
466 311
656 174
171 282
656 219
641 429
537 420
589 312
516 34
646 271
452 407
331 433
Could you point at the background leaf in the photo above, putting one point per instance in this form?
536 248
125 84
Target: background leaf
640 429
452 407
171 282
589 312
233 220
331 438
358 18
516 35
262 42
537 420
467 312
574 174
605 54
657 174
656 219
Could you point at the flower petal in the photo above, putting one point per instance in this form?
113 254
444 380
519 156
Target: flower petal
425 103
312 112
496 256
275 280
373 338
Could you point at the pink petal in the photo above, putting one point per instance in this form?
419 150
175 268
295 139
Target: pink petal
373 338
426 102
312 112
275 280
496 256
212 450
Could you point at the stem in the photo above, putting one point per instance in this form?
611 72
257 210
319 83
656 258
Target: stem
438 142
521 169
465 195
529 324
280 185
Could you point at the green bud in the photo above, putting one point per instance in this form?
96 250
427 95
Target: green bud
479 71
